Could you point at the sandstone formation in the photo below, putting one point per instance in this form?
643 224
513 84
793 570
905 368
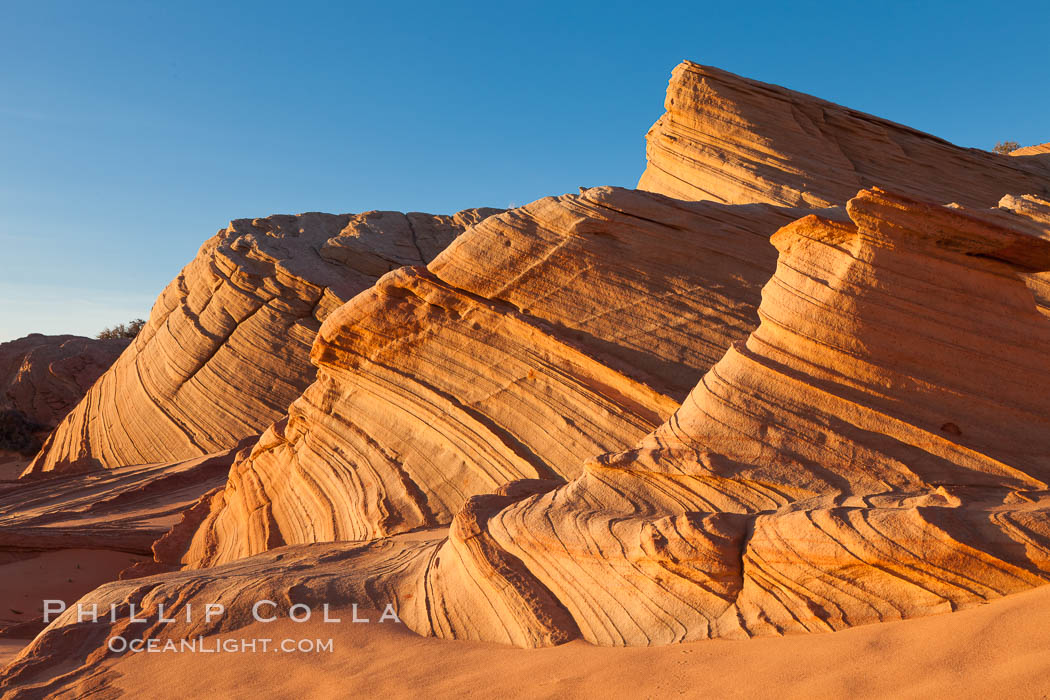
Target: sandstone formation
1031 214
875 450
96 519
125 509
730 139
361 488
992 651
1042 149
227 344
1029 206
44 376
567 328
41 378
613 416
69 654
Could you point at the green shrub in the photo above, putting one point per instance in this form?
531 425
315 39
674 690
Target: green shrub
1006 147
122 330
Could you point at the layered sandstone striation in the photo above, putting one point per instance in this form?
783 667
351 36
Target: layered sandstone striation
124 509
1036 209
1031 214
731 139
550 333
1042 149
227 344
614 416
874 450
63 535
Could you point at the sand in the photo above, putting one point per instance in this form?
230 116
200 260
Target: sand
12 465
995 650
9 648
26 580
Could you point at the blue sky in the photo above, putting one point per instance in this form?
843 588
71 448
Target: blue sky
131 132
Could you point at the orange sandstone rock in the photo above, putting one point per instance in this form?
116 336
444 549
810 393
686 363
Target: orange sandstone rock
731 139
875 450
1040 150
542 336
227 344
573 423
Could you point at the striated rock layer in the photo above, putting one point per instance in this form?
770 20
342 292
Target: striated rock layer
123 509
731 139
567 328
44 376
47 524
1042 149
1036 209
875 450
227 344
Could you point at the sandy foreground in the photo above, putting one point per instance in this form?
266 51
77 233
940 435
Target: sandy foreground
996 650
9 648
27 580
12 465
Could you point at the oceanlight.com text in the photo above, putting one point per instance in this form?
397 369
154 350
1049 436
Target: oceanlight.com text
229 645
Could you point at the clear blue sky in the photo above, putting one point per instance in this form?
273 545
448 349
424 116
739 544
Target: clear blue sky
129 133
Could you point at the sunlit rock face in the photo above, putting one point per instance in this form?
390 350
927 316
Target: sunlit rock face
731 139
876 449
227 345
623 416
541 337
1042 150
124 509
